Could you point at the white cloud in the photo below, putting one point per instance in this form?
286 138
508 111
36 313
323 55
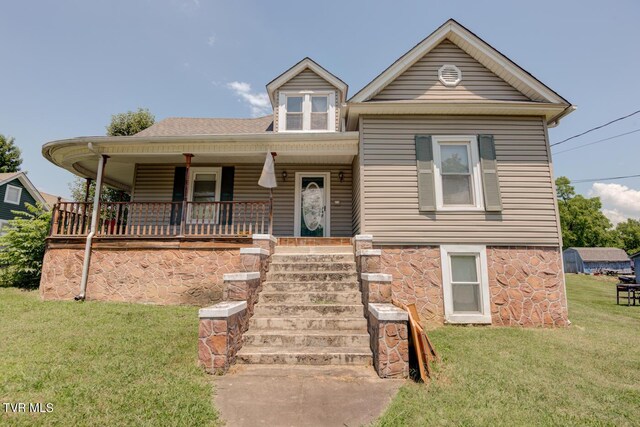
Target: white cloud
258 101
619 202
614 215
211 40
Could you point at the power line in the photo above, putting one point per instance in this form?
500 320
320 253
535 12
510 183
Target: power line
596 128
577 181
596 142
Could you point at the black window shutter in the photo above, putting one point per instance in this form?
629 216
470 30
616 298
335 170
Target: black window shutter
226 186
426 183
178 194
490 182
226 194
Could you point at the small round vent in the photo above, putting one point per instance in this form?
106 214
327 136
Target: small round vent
450 75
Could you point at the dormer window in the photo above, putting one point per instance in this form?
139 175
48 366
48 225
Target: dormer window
307 111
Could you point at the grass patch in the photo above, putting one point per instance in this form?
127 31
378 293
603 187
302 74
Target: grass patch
101 363
587 374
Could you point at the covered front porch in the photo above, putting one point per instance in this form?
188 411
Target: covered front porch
207 186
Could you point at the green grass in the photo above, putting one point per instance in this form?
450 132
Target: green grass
101 363
586 374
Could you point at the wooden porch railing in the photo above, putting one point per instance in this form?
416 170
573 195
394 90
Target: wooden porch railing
162 219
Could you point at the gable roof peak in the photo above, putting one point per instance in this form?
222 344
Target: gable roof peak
300 66
477 48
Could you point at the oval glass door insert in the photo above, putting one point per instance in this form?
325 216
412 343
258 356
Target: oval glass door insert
312 206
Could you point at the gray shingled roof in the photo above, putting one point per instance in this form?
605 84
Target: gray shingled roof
180 126
601 254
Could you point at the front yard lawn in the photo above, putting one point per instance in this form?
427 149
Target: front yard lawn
101 363
127 364
587 374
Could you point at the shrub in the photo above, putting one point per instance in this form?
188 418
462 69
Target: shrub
23 247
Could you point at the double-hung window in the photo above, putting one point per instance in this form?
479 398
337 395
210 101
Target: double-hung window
457 173
466 284
306 112
204 187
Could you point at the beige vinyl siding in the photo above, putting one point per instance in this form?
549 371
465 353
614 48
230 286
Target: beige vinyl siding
420 81
155 183
355 170
391 191
307 80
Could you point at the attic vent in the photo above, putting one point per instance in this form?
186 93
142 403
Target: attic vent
449 75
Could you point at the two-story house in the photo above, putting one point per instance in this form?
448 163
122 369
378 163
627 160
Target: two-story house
16 190
438 170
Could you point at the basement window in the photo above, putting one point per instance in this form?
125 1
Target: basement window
465 284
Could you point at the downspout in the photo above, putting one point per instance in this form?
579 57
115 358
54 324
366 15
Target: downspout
94 220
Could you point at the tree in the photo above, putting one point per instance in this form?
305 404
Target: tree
122 124
629 235
130 123
10 159
23 247
581 219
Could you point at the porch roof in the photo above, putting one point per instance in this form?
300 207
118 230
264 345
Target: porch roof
79 155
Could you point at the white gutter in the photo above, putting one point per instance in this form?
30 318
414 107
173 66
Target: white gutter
94 220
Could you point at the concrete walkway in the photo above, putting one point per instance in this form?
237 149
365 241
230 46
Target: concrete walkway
281 395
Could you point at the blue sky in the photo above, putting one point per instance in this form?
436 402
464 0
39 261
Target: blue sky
68 65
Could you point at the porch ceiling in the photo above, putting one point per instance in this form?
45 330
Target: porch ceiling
79 155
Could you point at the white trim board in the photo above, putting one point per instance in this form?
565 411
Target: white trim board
300 67
481 252
327 201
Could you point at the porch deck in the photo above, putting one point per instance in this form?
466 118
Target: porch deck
163 219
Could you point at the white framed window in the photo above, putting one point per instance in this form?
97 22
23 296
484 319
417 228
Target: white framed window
457 173
3 224
307 111
465 284
204 186
12 195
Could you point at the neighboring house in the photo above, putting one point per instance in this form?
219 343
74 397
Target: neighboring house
635 259
16 190
596 260
440 165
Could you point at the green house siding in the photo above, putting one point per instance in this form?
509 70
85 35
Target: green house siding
6 208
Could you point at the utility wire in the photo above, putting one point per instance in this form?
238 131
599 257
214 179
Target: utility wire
596 142
577 181
596 128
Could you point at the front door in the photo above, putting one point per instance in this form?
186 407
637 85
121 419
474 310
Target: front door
312 204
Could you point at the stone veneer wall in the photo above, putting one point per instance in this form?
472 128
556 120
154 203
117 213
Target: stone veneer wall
219 340
390 345
526 284
161 276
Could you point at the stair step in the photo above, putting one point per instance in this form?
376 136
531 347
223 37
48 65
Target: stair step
275 258
268 297
313 249
307 323
306 355
301 266
302 310
319 338
312 276
279 286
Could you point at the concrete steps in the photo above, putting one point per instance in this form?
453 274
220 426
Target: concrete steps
316 297
351 286
309 312
359 355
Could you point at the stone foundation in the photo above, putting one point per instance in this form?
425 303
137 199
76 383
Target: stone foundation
159 276
526 286
525 283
